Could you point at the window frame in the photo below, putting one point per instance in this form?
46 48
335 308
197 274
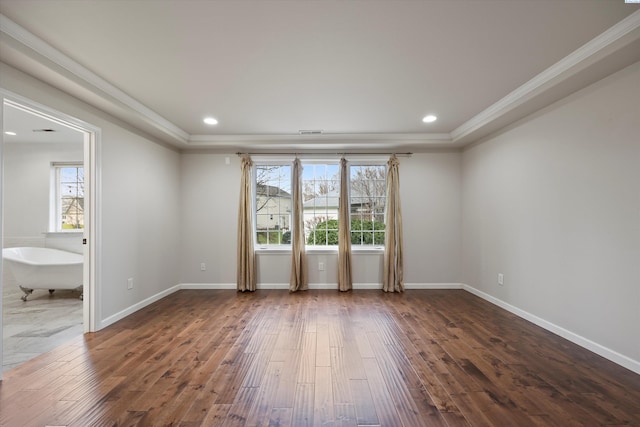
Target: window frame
373 161
55 197
282 247
321 248
317 249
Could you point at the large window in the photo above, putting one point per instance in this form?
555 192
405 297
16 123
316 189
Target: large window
367 204
320 197
67 197
273 204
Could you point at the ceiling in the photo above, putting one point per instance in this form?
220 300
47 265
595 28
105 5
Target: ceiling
29 128
363 72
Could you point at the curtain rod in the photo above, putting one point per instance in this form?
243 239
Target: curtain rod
323 154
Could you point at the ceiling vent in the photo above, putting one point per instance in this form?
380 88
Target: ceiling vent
44 130
310 132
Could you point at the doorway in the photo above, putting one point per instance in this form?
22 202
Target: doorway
48 201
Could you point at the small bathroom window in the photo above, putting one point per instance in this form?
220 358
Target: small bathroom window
67 197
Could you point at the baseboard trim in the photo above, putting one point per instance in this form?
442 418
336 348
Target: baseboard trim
285 286
410 286
230 286
135 307
607 353
354 286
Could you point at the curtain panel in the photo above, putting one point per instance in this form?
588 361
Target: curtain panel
299 279
246 268
393 280
344 232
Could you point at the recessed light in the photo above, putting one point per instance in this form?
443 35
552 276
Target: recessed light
10 133
210 121
429 119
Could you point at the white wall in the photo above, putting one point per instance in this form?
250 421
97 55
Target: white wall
140 218
553 203
140 203
209 204
27 181
430 191
1 219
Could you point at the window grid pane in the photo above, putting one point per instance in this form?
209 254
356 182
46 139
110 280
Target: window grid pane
273 204
71 197
321 194
368 198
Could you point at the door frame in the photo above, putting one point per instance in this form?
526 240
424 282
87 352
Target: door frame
92 230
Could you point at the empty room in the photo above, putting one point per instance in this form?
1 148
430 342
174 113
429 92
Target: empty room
320 213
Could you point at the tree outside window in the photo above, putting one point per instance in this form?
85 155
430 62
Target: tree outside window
367 204
273 204
69 196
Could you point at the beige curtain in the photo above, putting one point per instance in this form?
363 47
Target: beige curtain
393 280
246 260
344 232
298 280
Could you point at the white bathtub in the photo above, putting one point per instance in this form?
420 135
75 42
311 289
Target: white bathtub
44 268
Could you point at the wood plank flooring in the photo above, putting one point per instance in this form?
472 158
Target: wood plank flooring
320 358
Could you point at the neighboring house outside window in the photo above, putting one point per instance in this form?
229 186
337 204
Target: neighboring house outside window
67 197
273 204
320 197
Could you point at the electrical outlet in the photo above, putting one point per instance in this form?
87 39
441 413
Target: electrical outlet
130 283
321 266
500 279
203 266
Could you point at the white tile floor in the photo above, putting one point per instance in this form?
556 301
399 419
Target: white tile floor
38 325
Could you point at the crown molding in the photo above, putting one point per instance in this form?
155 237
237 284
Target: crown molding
434 137
417 142
327 141
563 69
83 74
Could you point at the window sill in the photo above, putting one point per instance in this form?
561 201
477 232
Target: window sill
70 233
321 249
367 250
355 250
272 250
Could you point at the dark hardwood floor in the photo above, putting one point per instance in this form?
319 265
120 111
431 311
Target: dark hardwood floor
321 358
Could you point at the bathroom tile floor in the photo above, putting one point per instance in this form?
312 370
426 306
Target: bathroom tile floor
38 325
